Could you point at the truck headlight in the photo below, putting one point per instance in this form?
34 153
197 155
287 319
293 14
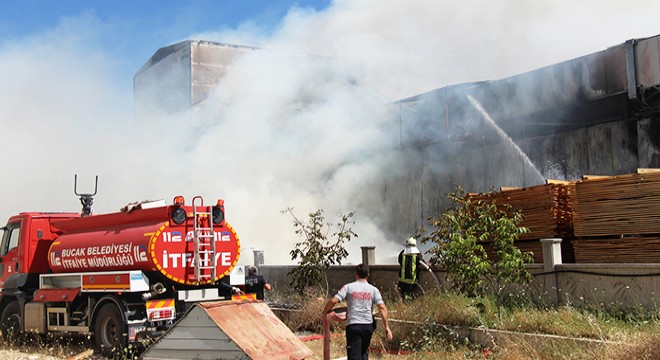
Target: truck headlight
179 215
218 215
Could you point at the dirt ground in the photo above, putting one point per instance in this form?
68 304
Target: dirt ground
40 348
17 355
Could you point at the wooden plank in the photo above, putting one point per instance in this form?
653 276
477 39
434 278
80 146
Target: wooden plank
596 177
647 171
560 182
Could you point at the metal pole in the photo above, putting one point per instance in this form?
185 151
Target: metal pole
258 257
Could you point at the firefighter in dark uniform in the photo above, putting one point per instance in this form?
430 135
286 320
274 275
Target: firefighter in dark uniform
410 261
255 283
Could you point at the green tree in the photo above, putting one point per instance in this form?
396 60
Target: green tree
318 249
458 241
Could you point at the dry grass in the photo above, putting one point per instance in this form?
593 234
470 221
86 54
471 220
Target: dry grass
307 315
54 347
338 350
44 348
642 347
561 321
638 347
448 310
424 329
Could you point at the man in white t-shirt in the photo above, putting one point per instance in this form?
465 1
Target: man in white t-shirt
360 296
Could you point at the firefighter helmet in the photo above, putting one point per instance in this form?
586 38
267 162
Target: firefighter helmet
411 241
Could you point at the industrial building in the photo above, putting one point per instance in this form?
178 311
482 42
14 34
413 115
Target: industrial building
593 115
181 75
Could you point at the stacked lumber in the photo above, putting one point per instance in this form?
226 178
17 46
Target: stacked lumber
546 213
621 250
617 205
602 219
536 248
533 246
546 208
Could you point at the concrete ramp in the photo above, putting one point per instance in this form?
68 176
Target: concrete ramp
244 329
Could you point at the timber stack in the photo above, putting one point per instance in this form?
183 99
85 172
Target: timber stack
601 219
617 218
546 213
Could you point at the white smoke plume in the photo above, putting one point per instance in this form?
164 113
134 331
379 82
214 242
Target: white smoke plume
302 124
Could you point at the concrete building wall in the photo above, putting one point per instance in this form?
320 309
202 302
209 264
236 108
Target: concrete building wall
163 83
181 75
210 63
649 143
603 149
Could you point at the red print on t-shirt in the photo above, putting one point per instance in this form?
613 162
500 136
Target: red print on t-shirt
358 295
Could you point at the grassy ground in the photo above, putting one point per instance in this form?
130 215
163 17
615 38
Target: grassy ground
423 331
642 347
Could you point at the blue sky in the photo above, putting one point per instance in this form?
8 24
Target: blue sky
19 18
132 30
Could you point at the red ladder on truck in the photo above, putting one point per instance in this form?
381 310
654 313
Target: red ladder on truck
204 242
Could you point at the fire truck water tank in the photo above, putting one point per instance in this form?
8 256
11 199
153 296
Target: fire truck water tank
160 246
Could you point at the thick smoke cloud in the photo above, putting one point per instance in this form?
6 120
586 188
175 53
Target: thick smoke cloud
302 124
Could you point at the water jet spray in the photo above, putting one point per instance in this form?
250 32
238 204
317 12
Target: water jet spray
505 136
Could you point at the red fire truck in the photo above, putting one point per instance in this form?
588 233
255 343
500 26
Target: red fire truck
119 276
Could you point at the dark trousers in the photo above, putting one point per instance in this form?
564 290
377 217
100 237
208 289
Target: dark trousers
358 338
407 290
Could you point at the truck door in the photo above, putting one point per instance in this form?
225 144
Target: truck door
9 251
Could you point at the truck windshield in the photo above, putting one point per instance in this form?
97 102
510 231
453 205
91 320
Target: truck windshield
10 237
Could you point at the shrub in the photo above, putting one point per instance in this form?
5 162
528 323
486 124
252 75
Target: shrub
316 252
458 238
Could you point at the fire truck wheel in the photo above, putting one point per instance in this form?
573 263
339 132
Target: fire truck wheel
109 333
11 322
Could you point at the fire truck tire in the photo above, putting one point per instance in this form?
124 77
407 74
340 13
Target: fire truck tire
109 335
10 321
